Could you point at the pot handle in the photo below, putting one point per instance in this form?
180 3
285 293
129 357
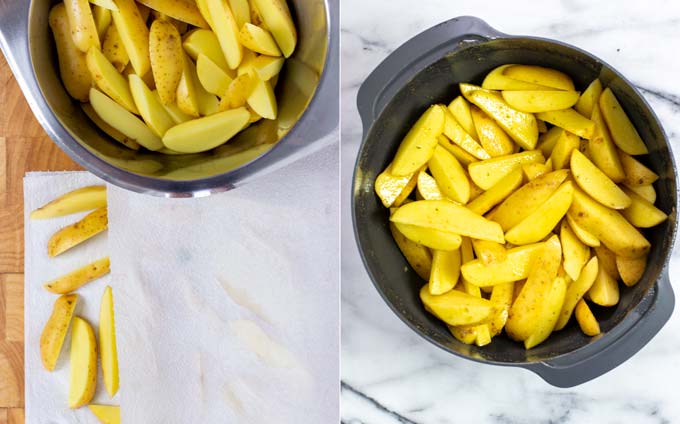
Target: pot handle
417 53
569 372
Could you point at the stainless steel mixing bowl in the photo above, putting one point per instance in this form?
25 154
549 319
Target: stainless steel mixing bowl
308 109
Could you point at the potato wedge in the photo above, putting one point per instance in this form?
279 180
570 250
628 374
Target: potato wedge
114 50
267 67
83 28
109 80
497 80
79 200
539 75
515 267
641 213
540 101
602 150
68 237
523 318
586 320
646 191
608 225
83 381
54 333
631 270
521 126
461 155
589 98
153 112
211 76
561 153
419 144
133 34
569 120
497 193
622 130
107 343
106 4
72 61
445 271
241 11
526 199
489 252
596 183
460 109
586 237
576 290
574 252
203 41
607 261
278 20
102 20
187 92
502 296
457 308
258 40
262 99
78 278
238 92
390 188
531 171
636 173
457 134
206 133
417 255
494 141
605 289
486 173
450 217
547 141
124 121
450 175
182 10
540 223
427 187
166 55
174 111
464 333
542 127
106 414
549 314
430 237
224 26
108 129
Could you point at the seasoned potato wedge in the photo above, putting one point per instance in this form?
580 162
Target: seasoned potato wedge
108 350
83 381
596 183
622 130
206 133
531 171
549 313
602 150
278 20
166 55
450 175
258 40
72 62
83 28
460 109
586 237
502 296
539 75
607 261
541 101
576 290
574 252
646 191
133 34
569 120
109 80
497 80
605 289
79 200
107 414
636 173
642 213
455 132
561 153
445 271
497 193
457 308
390 188
631 270
515 267
586 103
78 278
427 187
430 237
486 173
417 255
182 10
419 144
68 237
493 139
489 251
224 26
547 141
586 320
54 333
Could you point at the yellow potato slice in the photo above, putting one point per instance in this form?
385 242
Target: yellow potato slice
72 62
445 271
497 80
636 173
607 261
187 92
540 101
224 26
489 251
108 129
461 155
174 111
211 76
524 315
646 191
542 127
526 199
206 133
133 34
83 381
258 40
493 139
608 225
108 80
532 171
464 333
550 313
78 278
79 200
586 320
203 8
589 99
151 109
107 4
106 414
166 55
457 308
114 50
482 331
267 67
419 144
575 253
417 255
631 270
460 109
596 183
430 237
602 150
455 132
124 121
83 28
642 213
238 92
515 267
540 75
450 175
262 99
547 141
102 20
107 343
497 193
521 126
388 187
569 120
428 188
279 22
605 289
586 237
241 11
540 223
182 10
561 153
54 333
576 291
450 217
622 130
203 41
70 236
501 296
487 173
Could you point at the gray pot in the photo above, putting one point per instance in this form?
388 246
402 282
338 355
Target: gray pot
308 109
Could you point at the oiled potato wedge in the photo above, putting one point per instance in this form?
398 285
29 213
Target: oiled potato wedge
54 333
427 187
389 188
114 50
455 132
153 112
586 320
586 237
493 139
166 55
589 99
515 267
83 28
576 291
460 109
445 271
487 173
497 80
596 183
68 237
262 99
547 141
540 101
501 296
258 40
419 144
631 270
182 10
574 252
107 414
605 289
549 314
450 175
450 217
78 278
489 251
206 133
602 150
461 155
532 171
569 120
72 62
109 80
83 381
211 76
497 193
607 261
417 255
80 200
561 153
622 130
134 34
636 173
224 26
540 75
124 121
430 237
646 191
279 22
267 67
642 213
457 308
107 343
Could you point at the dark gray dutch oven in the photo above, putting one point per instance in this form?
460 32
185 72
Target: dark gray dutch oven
426 70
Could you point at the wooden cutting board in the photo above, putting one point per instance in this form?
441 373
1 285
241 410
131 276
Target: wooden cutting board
24 147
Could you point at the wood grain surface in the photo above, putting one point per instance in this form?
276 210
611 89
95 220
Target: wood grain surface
24 147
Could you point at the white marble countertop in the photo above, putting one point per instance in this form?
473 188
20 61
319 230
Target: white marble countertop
391 375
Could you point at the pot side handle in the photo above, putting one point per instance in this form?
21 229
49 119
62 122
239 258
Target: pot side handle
417 53
569 373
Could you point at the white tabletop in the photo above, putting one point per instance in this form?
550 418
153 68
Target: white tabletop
390 374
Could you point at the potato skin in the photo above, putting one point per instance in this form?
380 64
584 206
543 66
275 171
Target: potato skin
54 333
166 54
83 28
72 235
72 62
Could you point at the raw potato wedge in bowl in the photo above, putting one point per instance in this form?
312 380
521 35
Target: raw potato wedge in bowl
405 85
